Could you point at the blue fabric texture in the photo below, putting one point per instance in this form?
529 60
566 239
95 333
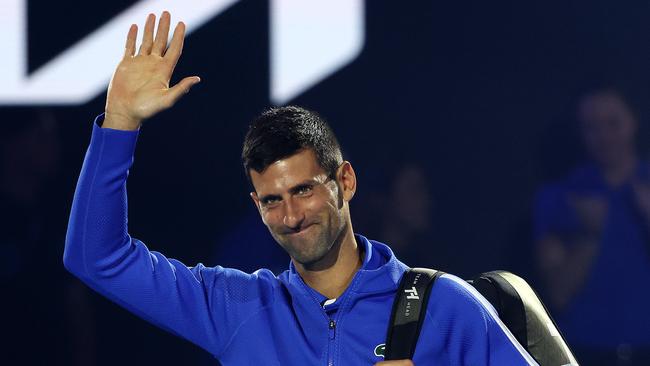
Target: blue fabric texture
260 318
612 306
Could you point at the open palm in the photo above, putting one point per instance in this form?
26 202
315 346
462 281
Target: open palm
139 87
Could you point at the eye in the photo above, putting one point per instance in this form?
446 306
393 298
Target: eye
270 202
303 190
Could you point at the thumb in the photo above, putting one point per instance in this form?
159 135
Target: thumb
180 89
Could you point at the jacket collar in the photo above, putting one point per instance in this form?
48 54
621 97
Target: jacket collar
380 272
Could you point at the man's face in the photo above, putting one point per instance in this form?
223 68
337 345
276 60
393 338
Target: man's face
301 206
608 127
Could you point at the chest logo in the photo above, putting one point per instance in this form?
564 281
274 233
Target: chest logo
380 349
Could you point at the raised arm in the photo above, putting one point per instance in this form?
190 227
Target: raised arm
198 303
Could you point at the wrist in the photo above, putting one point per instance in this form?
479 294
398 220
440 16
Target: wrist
119 121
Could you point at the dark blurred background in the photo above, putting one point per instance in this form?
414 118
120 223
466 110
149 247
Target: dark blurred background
481 133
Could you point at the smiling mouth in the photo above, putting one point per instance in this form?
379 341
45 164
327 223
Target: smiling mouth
301 231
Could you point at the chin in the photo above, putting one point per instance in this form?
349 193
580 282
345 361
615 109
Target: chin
307 250
309 258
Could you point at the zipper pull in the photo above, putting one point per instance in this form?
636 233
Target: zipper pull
332 327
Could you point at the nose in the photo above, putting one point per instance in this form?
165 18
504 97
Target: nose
293 214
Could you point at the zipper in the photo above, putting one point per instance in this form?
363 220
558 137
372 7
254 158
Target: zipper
332 334
331 326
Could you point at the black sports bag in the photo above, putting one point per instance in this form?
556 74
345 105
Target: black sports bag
515 301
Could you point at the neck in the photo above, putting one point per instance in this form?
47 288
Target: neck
344 260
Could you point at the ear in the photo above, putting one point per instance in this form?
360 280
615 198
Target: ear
347 180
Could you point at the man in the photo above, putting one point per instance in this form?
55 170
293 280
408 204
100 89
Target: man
331 307
591 231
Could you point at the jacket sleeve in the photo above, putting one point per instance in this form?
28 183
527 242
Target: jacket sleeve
472 332
204 305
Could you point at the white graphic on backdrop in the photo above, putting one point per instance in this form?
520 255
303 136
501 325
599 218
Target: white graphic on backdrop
310 40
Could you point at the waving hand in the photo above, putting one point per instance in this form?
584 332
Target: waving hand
140 87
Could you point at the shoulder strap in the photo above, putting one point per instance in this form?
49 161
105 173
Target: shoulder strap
408 312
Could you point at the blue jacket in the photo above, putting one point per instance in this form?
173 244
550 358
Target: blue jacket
260 318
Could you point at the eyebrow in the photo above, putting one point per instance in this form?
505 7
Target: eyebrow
292 190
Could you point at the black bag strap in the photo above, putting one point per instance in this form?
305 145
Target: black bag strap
408 312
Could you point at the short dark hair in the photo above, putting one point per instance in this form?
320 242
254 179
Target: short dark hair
284 131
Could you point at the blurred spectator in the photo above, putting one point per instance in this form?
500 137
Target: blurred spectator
591 233
38 296
407 217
